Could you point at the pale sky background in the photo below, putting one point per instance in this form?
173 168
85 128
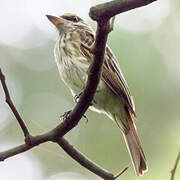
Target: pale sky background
20 16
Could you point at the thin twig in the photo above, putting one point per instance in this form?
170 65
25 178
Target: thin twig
119 174
175 167
12 107
84 161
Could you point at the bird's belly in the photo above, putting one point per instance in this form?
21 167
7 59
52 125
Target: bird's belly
74 76
74 79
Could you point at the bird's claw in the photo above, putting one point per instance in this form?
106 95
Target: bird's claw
66 114
84 116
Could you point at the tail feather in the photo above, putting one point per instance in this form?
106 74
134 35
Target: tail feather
136 152
133 144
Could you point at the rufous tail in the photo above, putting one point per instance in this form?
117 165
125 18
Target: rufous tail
135 150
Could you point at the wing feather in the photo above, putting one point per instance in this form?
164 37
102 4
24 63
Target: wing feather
115 80
111 72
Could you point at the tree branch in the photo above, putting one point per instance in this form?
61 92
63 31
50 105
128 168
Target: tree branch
102 14
68 148
84 161
34 141
112 8
175 166
11 105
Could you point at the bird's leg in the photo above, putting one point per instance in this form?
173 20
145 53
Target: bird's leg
84 116
66 114
76 98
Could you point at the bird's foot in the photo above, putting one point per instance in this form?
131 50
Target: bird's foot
84 116
66 114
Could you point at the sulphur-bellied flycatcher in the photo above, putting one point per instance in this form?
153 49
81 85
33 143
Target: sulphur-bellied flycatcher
112 96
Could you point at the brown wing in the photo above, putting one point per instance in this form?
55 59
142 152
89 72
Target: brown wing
114 78
111 72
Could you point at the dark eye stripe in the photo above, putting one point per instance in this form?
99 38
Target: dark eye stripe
72 18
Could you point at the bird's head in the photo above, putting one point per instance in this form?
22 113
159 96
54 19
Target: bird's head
67 22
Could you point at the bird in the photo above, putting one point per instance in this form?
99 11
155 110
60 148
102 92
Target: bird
73 57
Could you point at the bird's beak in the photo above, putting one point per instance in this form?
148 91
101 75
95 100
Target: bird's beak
57 20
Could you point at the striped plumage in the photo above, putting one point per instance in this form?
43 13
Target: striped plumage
112 97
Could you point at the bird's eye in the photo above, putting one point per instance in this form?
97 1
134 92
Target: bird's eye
74 18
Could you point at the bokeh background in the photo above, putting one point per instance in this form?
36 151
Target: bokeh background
146 42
